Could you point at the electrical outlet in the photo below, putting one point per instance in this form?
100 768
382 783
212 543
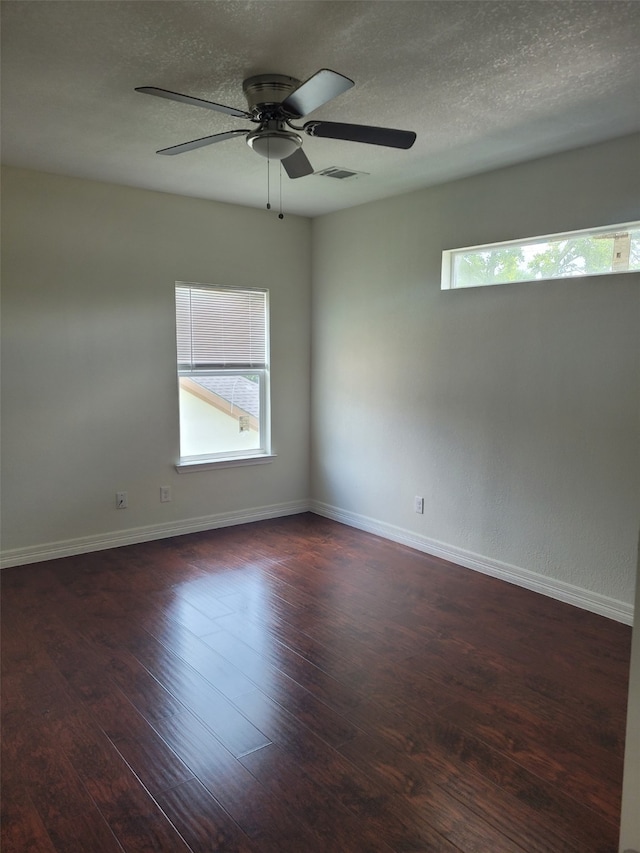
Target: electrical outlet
418 504
122 502
165 494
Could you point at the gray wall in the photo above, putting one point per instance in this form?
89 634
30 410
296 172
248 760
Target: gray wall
89 392
514 410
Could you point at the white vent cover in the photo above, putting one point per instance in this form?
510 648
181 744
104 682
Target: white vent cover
339 172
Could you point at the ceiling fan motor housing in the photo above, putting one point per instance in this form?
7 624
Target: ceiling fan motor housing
267 90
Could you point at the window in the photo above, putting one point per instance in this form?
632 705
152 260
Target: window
595 251
223 374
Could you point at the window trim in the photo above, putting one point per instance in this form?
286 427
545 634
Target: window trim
447 281
232 462
231 458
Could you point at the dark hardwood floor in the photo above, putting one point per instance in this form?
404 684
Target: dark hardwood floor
298 686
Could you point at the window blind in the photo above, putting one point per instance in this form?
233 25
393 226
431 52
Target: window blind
218 327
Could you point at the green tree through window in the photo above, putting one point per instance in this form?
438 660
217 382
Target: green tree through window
596 252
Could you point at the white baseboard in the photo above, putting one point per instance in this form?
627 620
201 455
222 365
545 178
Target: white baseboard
579 597
561 591
102 541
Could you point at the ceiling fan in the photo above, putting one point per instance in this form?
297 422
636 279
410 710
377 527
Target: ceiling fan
274 102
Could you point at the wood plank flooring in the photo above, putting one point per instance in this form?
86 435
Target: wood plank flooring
297 685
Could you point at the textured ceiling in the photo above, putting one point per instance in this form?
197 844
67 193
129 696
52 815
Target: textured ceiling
483 84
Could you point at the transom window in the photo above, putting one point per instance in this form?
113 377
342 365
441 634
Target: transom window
595 251
223 373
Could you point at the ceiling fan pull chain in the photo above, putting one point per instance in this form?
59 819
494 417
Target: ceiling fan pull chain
268 182
281 214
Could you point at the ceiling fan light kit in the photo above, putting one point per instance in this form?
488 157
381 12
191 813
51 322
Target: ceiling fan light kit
274 101
274 143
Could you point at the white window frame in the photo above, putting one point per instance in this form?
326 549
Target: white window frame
230 458
449 256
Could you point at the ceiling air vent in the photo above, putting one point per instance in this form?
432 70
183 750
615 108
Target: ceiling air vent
339 173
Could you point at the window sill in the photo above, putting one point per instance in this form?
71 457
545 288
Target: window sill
232 462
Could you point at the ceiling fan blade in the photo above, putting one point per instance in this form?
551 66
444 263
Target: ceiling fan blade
194 102
297 165
316 91
361 133
204 140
